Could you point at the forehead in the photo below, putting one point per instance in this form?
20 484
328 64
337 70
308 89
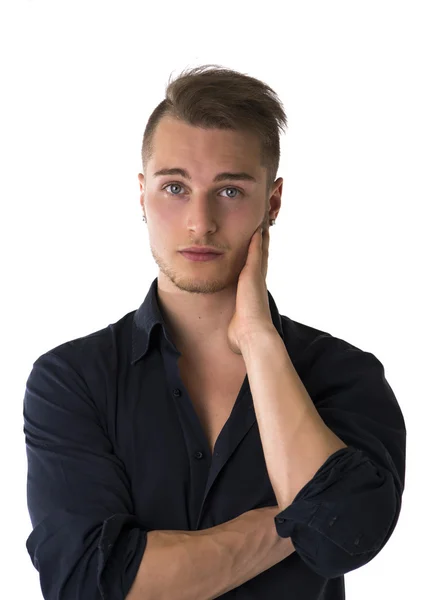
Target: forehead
173 140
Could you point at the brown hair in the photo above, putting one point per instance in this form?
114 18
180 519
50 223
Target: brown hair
220 98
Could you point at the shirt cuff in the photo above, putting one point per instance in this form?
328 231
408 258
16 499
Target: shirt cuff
350 505
121 547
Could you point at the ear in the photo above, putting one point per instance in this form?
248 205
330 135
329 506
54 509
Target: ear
141 180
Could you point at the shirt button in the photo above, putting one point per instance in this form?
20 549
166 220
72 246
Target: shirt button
177 392
198 455
280 520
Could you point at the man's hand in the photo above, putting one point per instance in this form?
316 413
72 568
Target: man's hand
252 312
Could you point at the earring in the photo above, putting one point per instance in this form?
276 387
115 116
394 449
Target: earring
144 219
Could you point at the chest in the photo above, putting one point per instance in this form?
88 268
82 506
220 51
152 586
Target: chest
213 390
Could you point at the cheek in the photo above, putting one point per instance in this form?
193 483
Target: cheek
162 221
162 230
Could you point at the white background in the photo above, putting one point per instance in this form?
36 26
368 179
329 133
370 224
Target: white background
348 254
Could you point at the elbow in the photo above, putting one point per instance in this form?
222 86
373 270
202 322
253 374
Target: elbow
89 559
336 548
333 561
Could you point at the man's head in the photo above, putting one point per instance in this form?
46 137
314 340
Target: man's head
206 131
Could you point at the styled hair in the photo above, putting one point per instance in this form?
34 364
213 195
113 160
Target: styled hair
214 97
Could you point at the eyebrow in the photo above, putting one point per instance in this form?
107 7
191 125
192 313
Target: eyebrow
219 177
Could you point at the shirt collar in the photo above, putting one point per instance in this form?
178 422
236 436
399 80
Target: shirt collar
149 314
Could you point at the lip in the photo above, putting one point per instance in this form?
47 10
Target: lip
202 250
200 256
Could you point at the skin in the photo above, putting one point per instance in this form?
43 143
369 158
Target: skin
198 299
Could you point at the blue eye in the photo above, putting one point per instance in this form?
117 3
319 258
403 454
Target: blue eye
179 185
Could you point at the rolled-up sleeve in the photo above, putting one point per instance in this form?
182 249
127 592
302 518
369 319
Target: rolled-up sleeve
343 517
85 543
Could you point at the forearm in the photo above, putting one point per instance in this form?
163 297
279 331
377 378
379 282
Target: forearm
296 442
202 565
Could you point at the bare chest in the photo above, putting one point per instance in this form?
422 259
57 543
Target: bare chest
213 390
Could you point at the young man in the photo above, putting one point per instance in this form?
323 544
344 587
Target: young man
206 443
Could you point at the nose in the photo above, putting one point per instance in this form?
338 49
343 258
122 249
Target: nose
201 217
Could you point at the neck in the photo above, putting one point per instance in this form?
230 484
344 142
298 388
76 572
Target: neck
197 320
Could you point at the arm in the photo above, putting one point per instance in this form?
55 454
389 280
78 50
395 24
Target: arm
202 565
86 541
338 504
296 441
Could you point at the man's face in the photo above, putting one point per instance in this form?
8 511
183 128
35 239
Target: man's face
182 212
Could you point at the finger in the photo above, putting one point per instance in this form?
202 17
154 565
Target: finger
266 239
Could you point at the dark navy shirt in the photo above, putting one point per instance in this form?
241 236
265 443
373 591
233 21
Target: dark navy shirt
115 449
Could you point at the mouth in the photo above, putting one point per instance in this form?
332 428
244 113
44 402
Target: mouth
202 250
200 256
